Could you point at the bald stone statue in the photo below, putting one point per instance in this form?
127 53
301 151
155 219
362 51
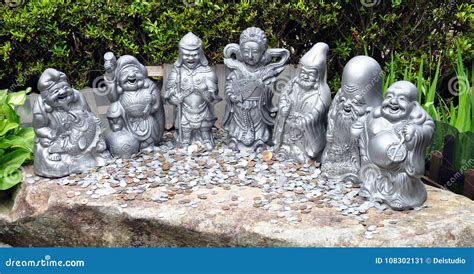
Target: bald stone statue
300 127
360 92
393 140
192 88
68 136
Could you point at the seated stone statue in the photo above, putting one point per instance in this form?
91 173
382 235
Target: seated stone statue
249 115
300 127
136 113
393 140
68 135
361 90
192 88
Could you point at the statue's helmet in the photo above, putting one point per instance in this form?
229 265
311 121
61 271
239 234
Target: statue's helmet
362 77
191 42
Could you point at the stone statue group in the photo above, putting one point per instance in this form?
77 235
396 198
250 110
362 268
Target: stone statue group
362 137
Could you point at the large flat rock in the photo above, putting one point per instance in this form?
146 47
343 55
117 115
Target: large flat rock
45 213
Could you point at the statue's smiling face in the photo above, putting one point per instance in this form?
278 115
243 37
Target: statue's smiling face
251 53
307 78
190 58
397 104
131 78
59 95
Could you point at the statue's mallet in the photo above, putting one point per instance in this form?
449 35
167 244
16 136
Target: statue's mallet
110 63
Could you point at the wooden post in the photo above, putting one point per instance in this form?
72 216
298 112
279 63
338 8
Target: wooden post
468 189
448 151
435 164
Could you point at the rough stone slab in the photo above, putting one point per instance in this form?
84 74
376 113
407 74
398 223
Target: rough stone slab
43 215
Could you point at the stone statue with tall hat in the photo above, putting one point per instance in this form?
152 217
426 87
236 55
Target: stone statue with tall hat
136 113
68 136
250 115
360 92
192 88
392 142
300 127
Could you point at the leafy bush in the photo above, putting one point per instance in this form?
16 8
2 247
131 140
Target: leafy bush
73 35
16 143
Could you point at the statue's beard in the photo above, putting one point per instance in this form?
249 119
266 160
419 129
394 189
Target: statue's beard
306 85
342 127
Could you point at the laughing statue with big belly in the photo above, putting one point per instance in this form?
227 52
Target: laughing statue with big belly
249 116
136 114
68 135
360 92
393 140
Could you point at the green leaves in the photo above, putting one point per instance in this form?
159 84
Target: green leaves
16 143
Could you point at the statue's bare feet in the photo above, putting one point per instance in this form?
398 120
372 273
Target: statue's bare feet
54 157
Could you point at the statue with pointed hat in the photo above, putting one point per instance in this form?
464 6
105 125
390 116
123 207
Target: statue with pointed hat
300 126
68 136
392 142
136 113
192 88
360 92
249 115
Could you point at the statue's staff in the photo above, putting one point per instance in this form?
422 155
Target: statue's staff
180 110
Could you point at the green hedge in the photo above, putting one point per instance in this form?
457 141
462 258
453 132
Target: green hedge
73 35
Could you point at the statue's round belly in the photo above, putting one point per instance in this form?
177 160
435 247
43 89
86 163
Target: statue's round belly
384 150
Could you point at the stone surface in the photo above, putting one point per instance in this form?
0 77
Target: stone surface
49 213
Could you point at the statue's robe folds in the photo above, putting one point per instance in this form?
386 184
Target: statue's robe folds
199 89
341 157
249 122
397 183
143 119
305 141
83 145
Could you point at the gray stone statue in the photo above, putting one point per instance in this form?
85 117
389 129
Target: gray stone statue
300 127
136 114
192 88
393 140
360 92
249 116
68 135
